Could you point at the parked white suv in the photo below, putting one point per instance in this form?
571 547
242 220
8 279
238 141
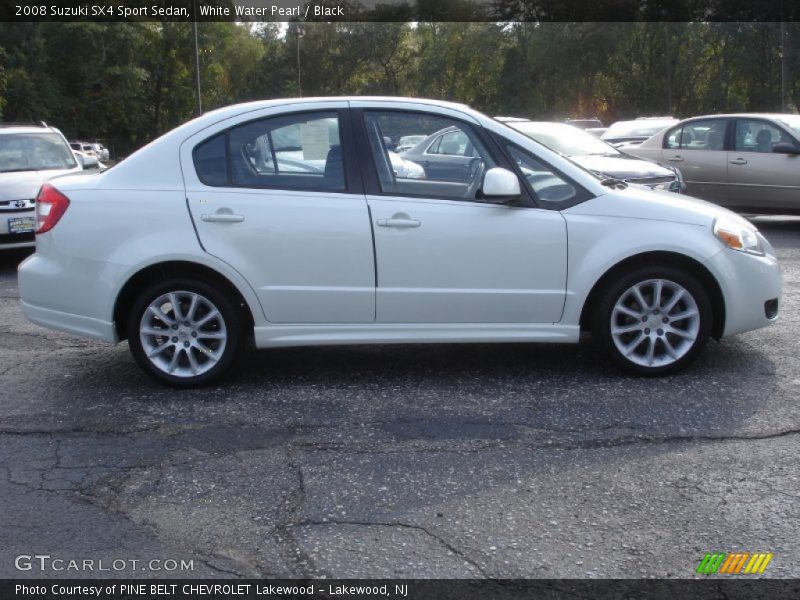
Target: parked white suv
212 234
29 156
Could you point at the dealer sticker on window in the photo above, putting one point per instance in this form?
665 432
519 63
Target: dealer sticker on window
21 225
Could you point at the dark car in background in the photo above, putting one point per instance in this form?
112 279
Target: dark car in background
447 155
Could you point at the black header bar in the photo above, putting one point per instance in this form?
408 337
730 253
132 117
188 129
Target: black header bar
400 10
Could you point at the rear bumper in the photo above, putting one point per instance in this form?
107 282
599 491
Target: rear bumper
69 323
10 240
14 244
62 299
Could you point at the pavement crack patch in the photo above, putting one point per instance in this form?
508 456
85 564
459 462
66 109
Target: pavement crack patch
450 547
283 531
77 431
567 442
206 559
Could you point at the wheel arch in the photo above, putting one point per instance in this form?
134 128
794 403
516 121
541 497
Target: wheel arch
176 268
673 259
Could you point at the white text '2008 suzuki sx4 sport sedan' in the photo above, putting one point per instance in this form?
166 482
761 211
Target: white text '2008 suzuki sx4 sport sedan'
290 221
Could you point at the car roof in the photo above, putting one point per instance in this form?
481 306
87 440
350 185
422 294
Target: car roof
15 128
234 109
645 120
753 115
550 124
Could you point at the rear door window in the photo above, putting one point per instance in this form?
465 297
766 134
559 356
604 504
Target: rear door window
706 134
299 151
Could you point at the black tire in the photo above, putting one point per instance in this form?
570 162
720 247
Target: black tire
617 289
228 315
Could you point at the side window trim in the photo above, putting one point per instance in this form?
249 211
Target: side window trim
760 120
369 172
582 196
678 131
353 183
430 151
726 135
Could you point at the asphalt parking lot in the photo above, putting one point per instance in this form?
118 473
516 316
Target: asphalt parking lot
416 461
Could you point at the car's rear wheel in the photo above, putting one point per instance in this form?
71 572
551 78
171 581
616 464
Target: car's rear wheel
654 320
183 332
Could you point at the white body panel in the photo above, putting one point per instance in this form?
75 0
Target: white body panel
305 262
308 257
468 262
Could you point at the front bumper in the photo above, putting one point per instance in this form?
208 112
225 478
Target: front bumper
751 287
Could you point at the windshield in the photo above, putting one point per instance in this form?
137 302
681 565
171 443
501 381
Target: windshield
792 122
566 139
34 152
637 129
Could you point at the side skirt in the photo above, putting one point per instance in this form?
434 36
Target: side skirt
275 336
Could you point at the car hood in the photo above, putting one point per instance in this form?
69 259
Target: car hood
622 166
637 202
24 185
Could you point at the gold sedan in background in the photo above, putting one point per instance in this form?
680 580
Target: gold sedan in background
745 162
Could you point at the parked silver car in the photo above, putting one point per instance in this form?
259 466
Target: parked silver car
746 162
29 156
629 134
407 142
597 156
101 152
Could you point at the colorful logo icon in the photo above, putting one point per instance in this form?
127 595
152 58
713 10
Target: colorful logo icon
734 563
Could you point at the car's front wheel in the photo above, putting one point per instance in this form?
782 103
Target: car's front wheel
183 332
654 320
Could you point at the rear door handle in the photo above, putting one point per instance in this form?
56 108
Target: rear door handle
399 223
222 218
738 161
675 159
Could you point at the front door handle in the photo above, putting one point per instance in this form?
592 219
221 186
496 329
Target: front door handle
400 223
738 161
222 217
675 159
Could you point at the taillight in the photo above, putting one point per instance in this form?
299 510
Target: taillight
50 207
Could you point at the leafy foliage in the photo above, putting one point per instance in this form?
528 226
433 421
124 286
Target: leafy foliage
130 82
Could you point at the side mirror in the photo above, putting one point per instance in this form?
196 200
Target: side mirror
785 148
500 184
79 158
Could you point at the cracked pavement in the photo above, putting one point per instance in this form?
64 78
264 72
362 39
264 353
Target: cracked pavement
417 461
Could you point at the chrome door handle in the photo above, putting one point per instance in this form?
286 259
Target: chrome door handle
399 223
222 218
675 159
738 161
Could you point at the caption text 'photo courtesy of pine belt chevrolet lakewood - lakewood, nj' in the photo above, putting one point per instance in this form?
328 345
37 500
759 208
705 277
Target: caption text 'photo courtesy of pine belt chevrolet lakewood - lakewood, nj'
297 222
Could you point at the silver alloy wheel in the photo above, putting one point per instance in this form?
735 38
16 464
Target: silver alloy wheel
655 322
183 334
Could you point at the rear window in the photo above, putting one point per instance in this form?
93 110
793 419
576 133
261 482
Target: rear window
300 151
211 161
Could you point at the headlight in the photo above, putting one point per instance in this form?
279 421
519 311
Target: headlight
677 185
738 236
677 172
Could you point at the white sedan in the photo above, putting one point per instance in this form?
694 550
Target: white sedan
203 239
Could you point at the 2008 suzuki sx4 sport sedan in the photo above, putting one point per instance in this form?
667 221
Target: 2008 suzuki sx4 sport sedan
289 221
